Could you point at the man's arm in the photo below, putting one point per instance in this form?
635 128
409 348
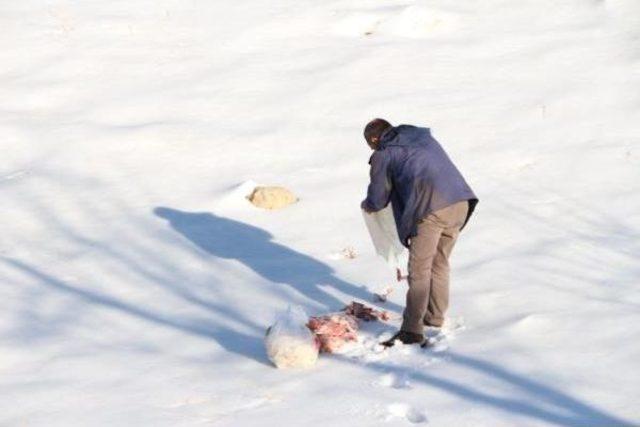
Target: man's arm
380 186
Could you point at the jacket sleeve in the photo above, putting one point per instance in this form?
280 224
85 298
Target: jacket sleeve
379 190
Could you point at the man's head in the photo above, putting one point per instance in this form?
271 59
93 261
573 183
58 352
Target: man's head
373 130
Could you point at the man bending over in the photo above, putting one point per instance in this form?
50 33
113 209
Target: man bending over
431 203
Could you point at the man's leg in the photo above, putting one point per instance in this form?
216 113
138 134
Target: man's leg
439 295
454 217
422 251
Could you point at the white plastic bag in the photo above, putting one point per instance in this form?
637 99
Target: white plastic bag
384 234
289 342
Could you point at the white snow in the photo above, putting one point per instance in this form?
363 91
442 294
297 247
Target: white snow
136 281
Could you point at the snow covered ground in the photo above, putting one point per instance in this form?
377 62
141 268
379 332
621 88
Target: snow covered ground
136 281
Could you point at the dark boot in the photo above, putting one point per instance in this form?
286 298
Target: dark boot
405 338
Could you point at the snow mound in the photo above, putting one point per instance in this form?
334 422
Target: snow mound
237 196
408 412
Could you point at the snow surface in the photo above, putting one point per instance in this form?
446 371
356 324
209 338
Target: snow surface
136 282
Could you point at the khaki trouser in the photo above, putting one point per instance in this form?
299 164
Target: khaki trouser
428 294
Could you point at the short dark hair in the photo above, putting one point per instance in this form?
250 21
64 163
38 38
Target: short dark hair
375 128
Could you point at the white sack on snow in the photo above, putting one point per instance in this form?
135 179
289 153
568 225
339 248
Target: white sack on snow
289 342
382 228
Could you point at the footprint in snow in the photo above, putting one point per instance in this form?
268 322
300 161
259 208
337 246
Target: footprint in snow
393 380
408 412
438 343
438 339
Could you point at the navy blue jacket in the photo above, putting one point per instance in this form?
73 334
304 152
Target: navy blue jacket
410 169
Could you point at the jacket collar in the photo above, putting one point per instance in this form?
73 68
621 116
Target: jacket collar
388 135
404 135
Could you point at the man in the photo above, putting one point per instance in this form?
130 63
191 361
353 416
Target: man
431 203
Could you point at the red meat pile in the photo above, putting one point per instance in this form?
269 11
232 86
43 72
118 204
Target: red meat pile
363 312
336 329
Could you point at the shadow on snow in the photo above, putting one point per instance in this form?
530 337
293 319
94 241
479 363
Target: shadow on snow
229 239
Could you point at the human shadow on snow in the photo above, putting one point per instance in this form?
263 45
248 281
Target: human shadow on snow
530 398
254 247
220 237
231 239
